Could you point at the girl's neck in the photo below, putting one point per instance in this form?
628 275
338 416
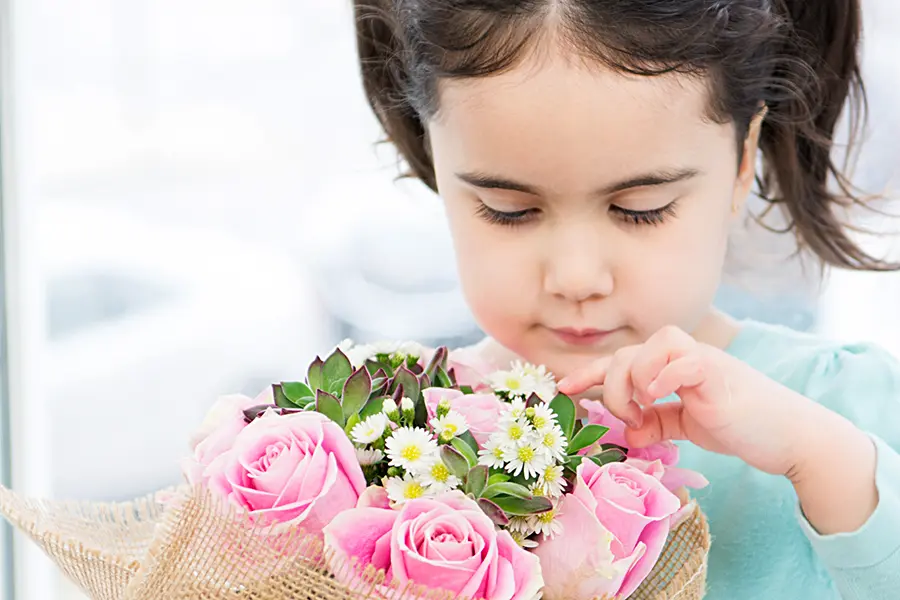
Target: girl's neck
716 329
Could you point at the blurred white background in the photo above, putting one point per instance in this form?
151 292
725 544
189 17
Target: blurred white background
194 205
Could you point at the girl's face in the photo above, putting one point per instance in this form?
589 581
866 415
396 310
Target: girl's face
588 208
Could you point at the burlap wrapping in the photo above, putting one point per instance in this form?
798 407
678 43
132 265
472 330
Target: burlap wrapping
198 550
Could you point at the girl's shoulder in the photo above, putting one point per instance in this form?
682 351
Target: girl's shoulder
826 370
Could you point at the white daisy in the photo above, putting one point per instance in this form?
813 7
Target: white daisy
407 405
551 481
553 442
522 541
492 453
516 410
450 425
511 382
520 525
369 430
438 478
539 380
401 490
410 448
525 459
542 417
546 523
368 456
516 432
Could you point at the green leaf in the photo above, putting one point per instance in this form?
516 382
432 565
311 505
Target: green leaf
294 390
510 489
373 366
352 421
408 380
584 438
372 407
573 462
522 507
311 405
466 389
468 438
280 398
608 456
442 380
564 408
476 480
494 512
355 392
337 368
465 449
329 406
451 375
421 415
455 461
439 360
314 376
498 478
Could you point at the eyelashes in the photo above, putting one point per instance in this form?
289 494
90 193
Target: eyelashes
655 217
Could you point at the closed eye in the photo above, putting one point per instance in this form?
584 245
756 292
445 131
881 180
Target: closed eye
508 219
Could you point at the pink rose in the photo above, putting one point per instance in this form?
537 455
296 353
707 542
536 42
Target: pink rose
598 415
445 542
297 468
481 411
615 524
667 453
223 421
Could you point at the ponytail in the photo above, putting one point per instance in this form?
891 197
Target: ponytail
820 74
381 59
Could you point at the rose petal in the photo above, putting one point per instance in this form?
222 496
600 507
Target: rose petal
374 496
355 535
580 563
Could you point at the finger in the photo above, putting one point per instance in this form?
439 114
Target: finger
692 372
662 422
618 391
668 344
586 377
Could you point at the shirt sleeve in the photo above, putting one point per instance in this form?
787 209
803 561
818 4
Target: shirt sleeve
863 384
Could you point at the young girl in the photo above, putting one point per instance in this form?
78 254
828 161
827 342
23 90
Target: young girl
592 156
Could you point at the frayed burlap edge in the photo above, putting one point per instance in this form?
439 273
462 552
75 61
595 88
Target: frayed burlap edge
199 548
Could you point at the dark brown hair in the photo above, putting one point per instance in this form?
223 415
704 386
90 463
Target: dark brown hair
797 58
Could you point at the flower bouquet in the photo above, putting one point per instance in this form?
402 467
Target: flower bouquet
395 471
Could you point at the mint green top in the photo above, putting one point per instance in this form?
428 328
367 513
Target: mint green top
762 545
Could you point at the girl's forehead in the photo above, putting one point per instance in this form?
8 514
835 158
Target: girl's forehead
562 120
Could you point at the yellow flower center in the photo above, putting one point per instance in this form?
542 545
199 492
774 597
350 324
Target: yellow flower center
549 440
411 453
413 490
513 383
440 472
539 422
450 430
546 517
515 432
525 454
498 452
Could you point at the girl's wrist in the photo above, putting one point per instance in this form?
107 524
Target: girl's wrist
834 474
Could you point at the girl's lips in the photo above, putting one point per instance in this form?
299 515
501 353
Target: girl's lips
581 337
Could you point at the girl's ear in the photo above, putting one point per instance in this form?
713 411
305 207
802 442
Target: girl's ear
747 169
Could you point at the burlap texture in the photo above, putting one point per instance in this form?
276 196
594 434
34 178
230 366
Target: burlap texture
196 549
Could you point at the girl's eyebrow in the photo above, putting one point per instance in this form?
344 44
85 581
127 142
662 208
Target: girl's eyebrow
653 178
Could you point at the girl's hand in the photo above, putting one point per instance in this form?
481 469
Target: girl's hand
725 406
